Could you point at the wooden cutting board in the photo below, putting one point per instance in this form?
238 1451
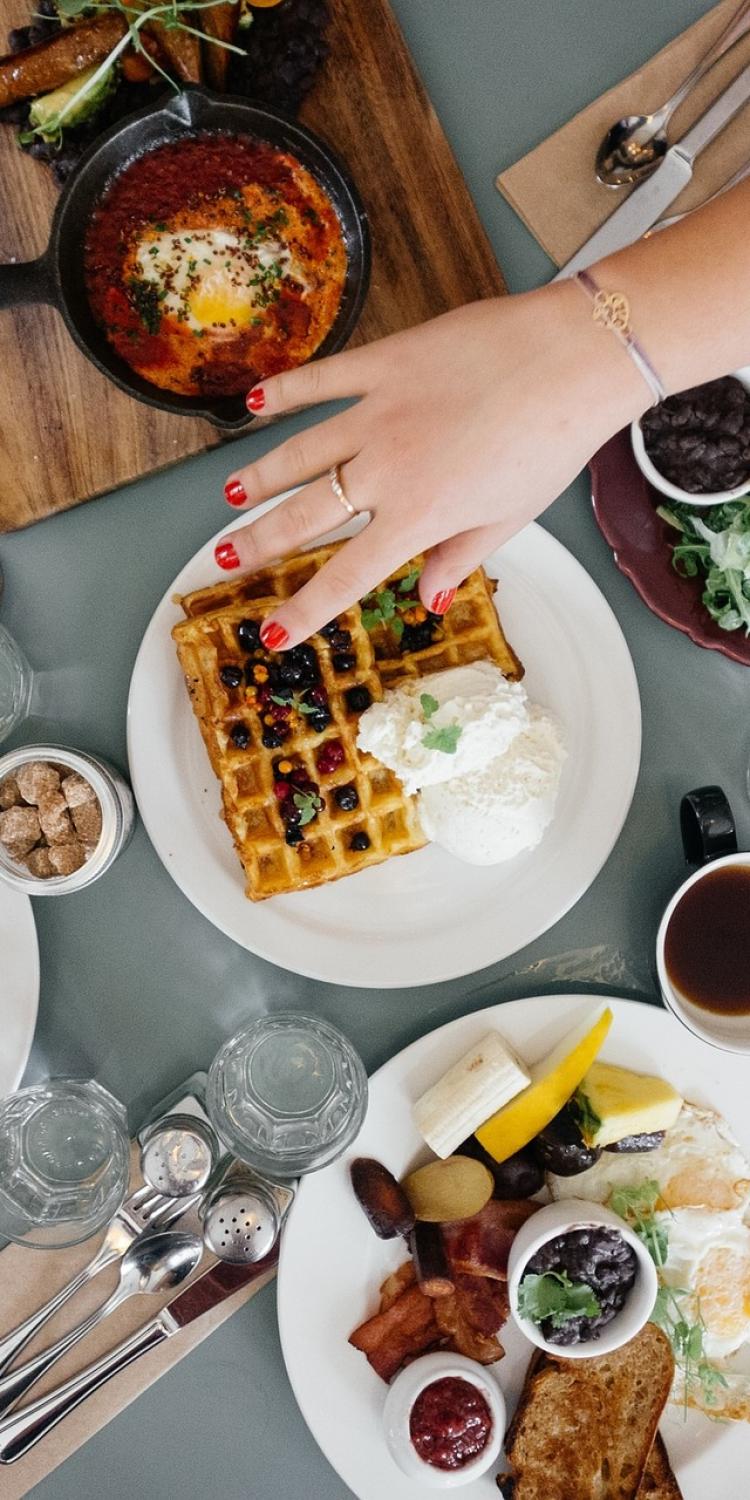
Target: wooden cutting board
67 435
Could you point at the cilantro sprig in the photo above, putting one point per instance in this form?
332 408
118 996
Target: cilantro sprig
555 1298
677 1309
446 737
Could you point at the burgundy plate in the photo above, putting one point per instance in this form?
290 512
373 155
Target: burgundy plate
625 510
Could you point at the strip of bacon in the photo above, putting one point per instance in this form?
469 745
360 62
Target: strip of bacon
406 1329
479 1246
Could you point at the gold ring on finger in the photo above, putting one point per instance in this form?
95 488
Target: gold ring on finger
334 476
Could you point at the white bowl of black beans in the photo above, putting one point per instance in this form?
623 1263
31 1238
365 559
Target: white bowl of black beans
695 446
580 1282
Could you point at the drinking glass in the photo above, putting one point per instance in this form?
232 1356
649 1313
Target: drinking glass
64 1162
16 682
287 1093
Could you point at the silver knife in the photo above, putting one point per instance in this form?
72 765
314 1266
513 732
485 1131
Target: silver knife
21 1430
647 203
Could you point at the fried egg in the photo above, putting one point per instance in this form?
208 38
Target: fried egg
698 1165
211 280
709 1255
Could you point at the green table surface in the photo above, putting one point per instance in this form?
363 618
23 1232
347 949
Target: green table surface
137 988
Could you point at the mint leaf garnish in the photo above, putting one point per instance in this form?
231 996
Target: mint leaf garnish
407 584
445 739
429 704
309 805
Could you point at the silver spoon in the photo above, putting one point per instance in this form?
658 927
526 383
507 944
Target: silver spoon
153 1263
633 148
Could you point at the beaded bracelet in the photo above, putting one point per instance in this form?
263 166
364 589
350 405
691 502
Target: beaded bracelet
612 310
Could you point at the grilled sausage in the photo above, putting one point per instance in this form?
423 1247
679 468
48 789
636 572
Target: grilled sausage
39 69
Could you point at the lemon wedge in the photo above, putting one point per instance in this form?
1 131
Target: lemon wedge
553 1080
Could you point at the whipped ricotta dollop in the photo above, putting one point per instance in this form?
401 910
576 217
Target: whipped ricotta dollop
489 711
502 809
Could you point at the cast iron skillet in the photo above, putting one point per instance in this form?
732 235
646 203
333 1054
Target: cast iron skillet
57 277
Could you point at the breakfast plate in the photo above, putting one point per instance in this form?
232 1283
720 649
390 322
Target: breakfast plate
425 917
332 1264
19 985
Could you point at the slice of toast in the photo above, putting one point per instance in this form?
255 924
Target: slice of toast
658 1482
584 1429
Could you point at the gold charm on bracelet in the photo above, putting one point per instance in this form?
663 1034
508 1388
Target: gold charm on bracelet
612 310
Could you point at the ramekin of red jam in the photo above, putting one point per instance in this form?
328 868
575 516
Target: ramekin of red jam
444 1420
450 1422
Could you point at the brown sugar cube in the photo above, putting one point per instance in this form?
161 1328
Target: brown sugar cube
19 830
88 821
9 793
37 780
65 858
38 863
77 791
54 819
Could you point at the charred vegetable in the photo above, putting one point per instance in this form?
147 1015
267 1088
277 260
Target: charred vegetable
521 1176
646 1141
560 1147
430 1260
456 1188
78 100
382 1198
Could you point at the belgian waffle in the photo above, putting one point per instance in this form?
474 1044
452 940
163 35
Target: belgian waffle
469 632
282 766
330 844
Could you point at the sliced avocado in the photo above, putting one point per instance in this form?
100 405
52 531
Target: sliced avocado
62 109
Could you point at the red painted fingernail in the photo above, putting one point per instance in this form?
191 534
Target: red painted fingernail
273 636
234 492
226 556
255 399
442 602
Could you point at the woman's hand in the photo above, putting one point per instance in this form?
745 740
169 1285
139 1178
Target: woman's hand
466 428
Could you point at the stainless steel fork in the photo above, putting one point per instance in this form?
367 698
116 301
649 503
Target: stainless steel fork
144 1209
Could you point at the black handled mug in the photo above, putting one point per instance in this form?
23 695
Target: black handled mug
707 996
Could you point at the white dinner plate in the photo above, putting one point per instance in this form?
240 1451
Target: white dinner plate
427 916
332 1264
19 985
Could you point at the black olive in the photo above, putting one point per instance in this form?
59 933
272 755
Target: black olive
560 1147
520 1176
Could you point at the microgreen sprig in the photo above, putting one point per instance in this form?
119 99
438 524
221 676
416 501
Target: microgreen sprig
169 15
674 1305
381 607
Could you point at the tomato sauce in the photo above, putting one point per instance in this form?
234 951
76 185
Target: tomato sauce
213 262
450 1423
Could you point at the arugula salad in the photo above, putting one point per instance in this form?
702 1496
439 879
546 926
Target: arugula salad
714 544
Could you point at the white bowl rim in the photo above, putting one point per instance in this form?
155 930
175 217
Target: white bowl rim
571 1214
673 491
670 996
404 1391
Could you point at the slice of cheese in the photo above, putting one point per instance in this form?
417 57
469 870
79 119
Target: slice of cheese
625 1103
478 1084
553 1080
